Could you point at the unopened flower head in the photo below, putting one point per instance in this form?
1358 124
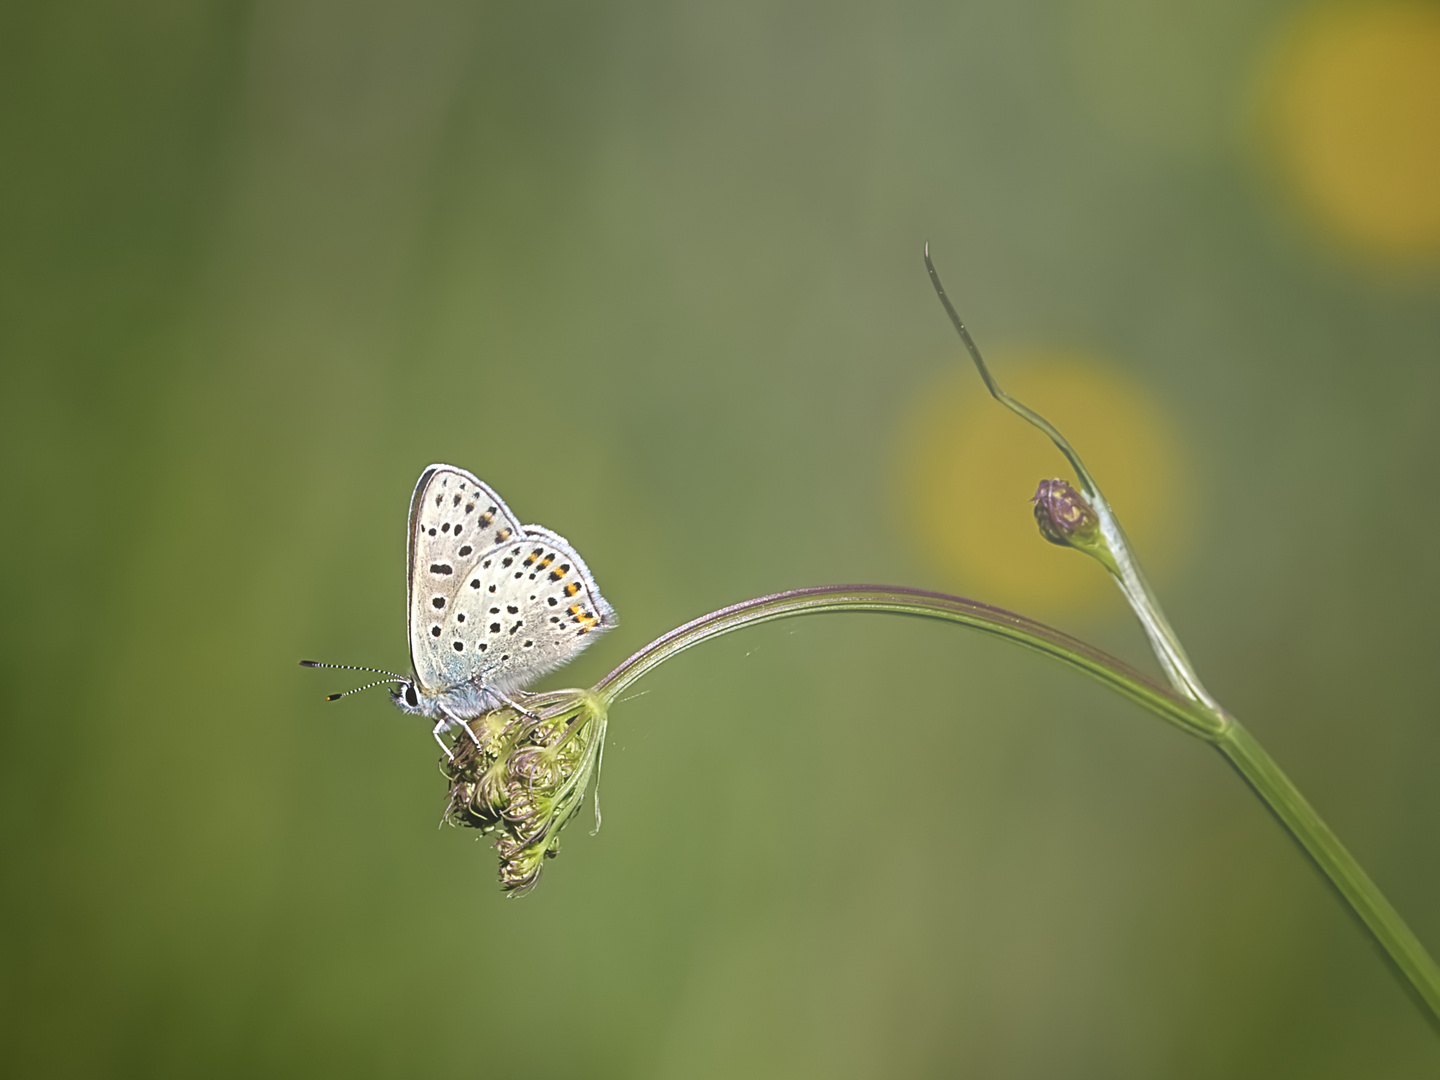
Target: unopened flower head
1064 517
527 777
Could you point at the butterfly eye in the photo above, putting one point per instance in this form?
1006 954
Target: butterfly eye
411 698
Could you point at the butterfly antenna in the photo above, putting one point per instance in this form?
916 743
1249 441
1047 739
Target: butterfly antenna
367 686
353 667
390 677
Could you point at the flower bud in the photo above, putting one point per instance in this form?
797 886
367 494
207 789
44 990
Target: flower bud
1064 517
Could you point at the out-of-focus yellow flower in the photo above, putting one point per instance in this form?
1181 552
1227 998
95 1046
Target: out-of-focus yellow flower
967 467
1352 116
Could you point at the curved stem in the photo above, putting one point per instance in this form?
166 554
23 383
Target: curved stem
1406 954
1098 665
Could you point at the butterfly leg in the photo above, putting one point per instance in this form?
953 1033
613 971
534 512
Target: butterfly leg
469 731
451 718
440 726
508 700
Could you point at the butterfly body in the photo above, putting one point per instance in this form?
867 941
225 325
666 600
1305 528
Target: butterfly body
492 604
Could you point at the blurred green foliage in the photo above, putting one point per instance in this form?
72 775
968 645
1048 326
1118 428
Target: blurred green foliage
653 271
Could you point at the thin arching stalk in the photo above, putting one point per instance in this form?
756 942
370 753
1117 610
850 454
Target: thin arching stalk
901 601
1407 955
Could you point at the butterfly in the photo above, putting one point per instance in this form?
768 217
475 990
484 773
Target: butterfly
491 604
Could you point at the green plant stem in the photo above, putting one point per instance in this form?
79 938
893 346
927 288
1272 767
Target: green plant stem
1411 962
1416 969
1120 558
1404 951
1187 715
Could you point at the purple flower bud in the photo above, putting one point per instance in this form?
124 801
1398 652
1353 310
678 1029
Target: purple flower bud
1064 517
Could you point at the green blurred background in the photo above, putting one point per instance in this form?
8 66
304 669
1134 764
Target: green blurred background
653 271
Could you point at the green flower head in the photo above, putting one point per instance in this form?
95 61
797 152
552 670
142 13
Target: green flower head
524 776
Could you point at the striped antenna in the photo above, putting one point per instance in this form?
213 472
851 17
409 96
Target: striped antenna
390 677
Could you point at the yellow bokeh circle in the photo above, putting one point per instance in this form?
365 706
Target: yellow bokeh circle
1353 114
969 466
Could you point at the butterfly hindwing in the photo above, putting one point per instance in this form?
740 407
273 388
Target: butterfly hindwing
527 607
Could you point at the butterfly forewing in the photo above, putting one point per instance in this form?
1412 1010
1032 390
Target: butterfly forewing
454 520
500 615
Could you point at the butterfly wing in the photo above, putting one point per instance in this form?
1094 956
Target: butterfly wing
454 520
527 607
496 606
